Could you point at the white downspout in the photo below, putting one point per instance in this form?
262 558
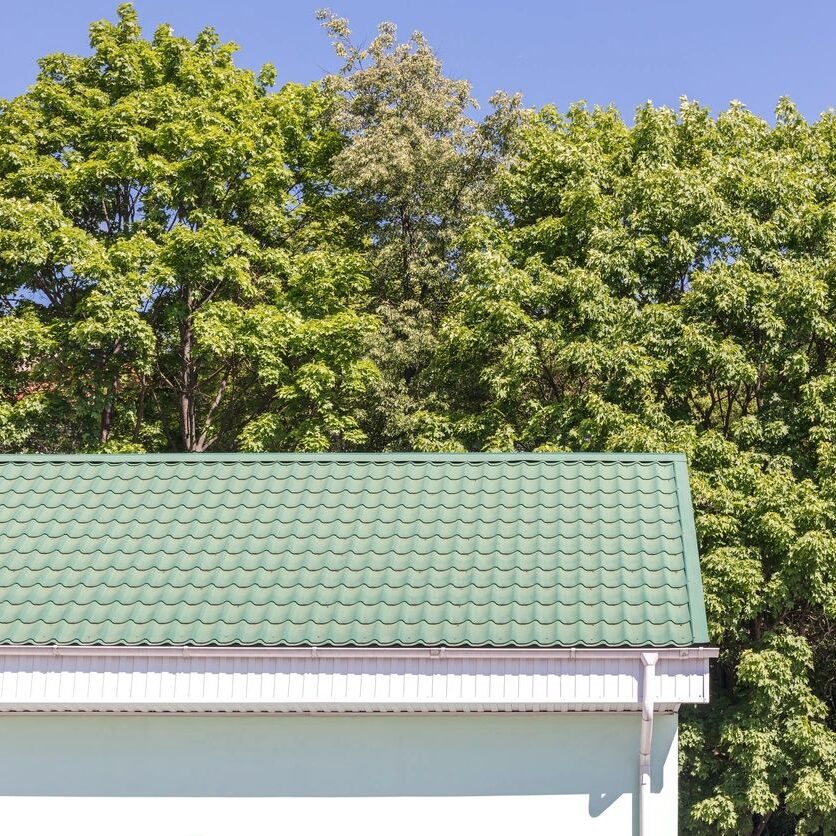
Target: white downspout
646 737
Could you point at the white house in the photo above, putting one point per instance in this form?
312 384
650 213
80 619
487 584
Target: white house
352 644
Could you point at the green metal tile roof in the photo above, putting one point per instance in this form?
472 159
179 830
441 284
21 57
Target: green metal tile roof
479 550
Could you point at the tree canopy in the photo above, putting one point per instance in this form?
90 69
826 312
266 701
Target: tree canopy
192 260
174 269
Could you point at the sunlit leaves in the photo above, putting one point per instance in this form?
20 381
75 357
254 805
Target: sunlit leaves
670 286
162 220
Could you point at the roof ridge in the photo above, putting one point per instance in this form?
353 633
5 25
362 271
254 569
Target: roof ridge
346 457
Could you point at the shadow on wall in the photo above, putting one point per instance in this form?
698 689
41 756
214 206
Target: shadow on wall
309 756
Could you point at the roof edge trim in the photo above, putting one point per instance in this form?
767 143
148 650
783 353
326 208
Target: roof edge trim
690 552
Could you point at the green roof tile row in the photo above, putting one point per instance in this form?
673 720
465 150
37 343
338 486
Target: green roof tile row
282 550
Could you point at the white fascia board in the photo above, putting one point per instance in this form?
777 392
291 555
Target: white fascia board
255 679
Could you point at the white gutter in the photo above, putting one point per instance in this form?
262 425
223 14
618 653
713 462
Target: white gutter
648 661
241 652
312 679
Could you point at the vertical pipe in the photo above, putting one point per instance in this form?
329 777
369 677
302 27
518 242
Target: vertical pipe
648 695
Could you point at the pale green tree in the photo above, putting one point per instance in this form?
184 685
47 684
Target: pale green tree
416 168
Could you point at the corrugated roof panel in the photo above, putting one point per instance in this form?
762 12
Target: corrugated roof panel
455 550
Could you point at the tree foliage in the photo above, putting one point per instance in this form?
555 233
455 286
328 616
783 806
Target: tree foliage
192 260
416 168
669 286
171 268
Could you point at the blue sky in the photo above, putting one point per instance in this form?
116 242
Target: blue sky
603 51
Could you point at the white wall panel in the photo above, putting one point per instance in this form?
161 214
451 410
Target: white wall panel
491 775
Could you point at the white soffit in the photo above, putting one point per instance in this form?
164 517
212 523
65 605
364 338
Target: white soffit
192 679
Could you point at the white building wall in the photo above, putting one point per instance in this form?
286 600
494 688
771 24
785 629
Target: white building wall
375 775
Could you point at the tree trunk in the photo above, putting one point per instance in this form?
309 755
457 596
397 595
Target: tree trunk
140 409
188 379
761 823
106 424
107 421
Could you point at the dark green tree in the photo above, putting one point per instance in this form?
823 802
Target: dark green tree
670 286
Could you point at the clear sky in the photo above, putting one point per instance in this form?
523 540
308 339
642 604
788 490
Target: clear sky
604 51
